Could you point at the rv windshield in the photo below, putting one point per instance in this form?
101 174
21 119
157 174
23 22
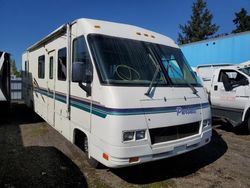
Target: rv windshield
123 61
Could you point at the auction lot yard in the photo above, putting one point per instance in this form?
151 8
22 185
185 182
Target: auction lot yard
32 154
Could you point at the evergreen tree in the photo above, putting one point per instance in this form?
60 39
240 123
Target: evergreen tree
242 21
200 26
13 69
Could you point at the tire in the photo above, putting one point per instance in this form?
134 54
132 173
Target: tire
93 163
248 124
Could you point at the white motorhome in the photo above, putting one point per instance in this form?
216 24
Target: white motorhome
123 94
4 78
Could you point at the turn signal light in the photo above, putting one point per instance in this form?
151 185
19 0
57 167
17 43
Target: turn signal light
105 156
133 159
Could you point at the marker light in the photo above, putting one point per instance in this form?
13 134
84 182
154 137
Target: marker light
133 159
97 26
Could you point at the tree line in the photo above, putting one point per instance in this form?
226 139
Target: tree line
200 26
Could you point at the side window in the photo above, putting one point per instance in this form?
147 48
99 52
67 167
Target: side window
80 52
41 66
232 79
231 75
62 64
51 61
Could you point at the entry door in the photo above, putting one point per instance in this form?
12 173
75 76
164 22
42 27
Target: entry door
51 89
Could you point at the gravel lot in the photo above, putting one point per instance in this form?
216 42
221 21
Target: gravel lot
32 154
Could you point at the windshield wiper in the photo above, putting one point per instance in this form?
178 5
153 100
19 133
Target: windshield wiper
190 85
153 80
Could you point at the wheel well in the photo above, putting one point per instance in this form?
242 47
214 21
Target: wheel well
247 114
79 139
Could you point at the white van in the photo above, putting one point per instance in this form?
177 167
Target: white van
123 94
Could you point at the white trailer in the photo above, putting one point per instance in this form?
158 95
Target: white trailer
4 79
123 94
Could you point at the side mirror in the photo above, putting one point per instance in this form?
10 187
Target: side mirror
82 72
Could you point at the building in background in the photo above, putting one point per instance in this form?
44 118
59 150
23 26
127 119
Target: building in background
230 49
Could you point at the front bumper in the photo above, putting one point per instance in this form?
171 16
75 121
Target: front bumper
120 156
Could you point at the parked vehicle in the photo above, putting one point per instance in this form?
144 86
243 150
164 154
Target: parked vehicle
229 93
123 94
205 72
4 80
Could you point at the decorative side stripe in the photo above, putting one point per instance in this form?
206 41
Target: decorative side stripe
103 111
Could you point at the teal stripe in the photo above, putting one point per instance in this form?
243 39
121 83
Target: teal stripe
103 111
75 104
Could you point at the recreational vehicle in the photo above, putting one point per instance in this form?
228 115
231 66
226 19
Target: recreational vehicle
4 80
123 94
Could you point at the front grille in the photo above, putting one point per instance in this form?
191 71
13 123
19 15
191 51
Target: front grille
165 134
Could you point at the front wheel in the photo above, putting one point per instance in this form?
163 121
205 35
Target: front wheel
248 124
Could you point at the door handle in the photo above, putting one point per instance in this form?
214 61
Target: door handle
215 88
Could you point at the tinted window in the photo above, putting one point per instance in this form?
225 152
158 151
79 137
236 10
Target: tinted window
62 64
80 52
131 62
124 61
41 66
231 75
51 59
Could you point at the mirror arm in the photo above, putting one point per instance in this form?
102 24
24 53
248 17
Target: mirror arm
86 88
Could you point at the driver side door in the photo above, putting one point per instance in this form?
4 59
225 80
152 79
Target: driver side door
231 90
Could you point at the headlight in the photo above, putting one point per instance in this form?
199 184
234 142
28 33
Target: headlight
134 135
206 122
129 135
139 135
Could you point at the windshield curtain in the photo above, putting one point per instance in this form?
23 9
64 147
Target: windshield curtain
123 61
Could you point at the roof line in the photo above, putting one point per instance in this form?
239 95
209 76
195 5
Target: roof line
58 32
217 38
